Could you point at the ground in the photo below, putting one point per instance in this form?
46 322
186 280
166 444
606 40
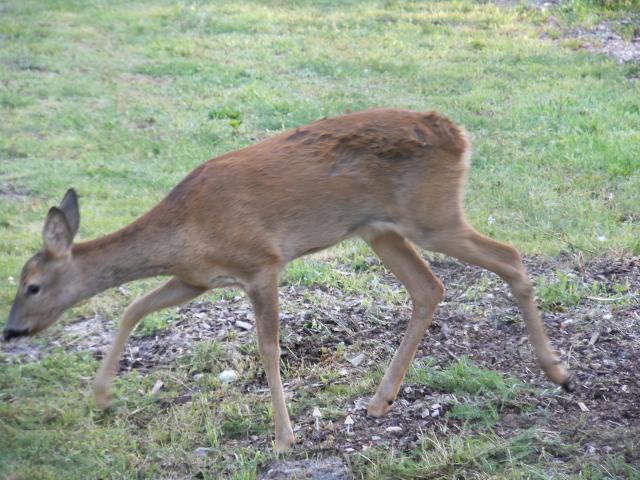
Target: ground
474 373
122 99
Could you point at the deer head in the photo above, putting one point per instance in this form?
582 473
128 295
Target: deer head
46 287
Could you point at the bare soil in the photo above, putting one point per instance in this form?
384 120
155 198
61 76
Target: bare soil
602 38
477 319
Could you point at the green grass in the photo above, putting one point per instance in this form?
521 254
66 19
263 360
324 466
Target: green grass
567 290
481 393
122 99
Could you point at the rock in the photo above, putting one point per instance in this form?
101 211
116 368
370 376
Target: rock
357 360
243 325
202 451
361 404
394 430
331 468
228 376
156 387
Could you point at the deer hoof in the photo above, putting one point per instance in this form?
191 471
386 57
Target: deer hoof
284 442
377 408
103 397
568 385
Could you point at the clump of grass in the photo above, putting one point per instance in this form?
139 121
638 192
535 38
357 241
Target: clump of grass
481 393
155 322
566 290
463 377
239 420
463 455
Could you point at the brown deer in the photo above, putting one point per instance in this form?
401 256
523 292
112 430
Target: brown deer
393 177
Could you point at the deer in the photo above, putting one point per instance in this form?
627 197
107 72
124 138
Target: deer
393 177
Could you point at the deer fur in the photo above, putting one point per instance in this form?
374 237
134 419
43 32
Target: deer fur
392 177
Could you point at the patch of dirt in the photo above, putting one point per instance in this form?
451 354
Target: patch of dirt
332 468
13 192
534 3
477 319
604 39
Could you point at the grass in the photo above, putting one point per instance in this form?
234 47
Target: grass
567 290
122 99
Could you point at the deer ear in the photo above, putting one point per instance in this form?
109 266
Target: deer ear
69 207
57 235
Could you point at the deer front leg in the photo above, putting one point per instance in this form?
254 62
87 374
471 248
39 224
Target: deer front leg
174 292
264 298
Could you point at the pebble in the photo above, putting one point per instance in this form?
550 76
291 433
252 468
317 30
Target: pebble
228 376
243 325
202 451
357 360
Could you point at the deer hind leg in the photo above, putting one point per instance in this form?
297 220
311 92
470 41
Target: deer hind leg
468 245
426 291
263 293
174 292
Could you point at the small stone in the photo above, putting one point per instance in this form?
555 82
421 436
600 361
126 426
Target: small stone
357 360
202 451
156 387
394 430
198 376
360 404
228 376
243 325
375 438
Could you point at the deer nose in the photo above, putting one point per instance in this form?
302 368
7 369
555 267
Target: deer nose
10 333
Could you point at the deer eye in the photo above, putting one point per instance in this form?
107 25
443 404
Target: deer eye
33 289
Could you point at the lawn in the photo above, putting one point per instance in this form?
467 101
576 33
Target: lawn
122 99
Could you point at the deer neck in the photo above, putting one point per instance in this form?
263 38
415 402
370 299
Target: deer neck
140 250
